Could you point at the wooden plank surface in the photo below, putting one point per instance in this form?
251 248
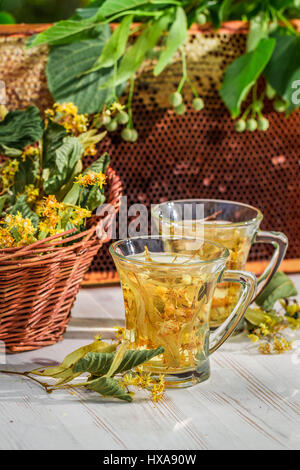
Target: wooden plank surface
250 402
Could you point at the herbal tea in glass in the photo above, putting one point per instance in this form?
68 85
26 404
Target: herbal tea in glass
168 286
232 225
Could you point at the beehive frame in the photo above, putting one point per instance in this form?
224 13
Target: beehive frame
198 155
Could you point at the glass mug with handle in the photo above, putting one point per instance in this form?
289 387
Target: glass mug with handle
234 226
168 285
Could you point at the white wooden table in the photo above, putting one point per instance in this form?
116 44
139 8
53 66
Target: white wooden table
250 402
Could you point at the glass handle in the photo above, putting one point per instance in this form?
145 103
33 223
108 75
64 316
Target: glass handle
248 283
280 243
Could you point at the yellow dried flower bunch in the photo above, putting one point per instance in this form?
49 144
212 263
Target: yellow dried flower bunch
67 115
8 174
91 179
271 333
30 152
17 231
79 125
43 191
144 380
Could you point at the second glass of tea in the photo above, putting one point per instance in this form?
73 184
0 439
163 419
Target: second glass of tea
231 224
168 286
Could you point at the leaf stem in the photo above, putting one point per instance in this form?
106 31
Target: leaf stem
129 103
287 23
184 70
26 374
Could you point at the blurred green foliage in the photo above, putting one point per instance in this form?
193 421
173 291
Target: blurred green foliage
37 11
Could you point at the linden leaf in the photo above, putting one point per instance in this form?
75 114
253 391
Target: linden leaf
21 128
280 287
22 207
100 363
72 358
109 387
243 73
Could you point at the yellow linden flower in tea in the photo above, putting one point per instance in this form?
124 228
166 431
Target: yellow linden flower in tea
91 179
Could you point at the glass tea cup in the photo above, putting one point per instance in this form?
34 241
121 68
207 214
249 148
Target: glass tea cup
234 226
168 285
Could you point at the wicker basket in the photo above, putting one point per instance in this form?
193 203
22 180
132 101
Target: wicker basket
39 282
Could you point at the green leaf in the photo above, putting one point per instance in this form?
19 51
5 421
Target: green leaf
2 202
6 18
243 73
100 165
282 4
60 171
27 173
134 57
90 198
109 387
10 152
224 10
91 137
280 287
258 30
22 207
118 359
111 7
72 196
100 363
115 46
176 38
255 316
72 358
21 128
284 67
52 140
90 10
64 190
66 76
94 199
61 31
